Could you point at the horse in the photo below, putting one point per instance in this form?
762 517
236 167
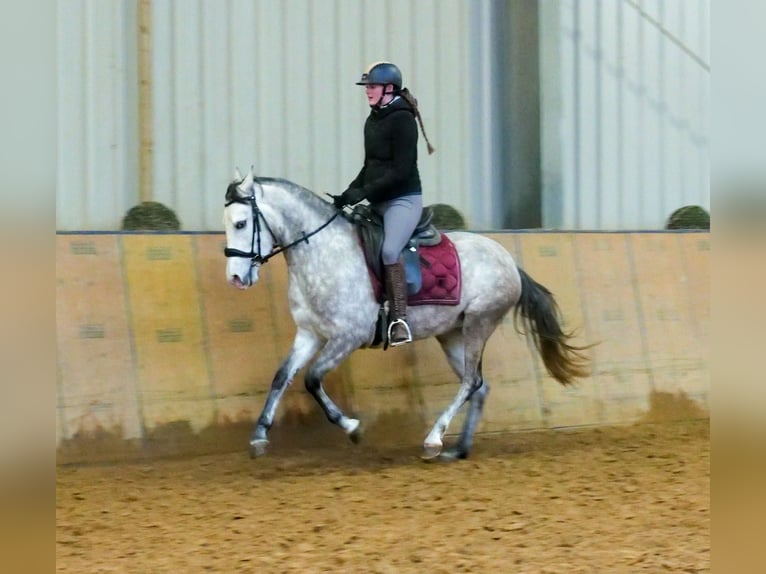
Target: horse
335 310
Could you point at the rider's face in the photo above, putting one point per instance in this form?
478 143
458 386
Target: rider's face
375 93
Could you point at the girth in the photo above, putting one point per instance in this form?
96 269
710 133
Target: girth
369 225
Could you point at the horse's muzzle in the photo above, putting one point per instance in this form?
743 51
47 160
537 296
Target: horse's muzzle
238 283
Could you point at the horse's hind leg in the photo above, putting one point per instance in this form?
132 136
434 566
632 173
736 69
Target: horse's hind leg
475 407
475 335
328 359
304 347
453 347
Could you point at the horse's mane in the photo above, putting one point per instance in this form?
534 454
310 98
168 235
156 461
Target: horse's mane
304 195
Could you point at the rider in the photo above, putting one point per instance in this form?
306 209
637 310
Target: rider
389 179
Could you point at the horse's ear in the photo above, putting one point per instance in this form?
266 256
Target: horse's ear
237 175
247 185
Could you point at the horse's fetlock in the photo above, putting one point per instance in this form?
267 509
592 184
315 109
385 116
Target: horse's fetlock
261 430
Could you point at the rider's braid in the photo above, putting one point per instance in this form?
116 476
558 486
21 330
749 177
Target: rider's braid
405 93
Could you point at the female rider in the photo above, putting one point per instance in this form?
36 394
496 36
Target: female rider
389 180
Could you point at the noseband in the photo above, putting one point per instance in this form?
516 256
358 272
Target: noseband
256 258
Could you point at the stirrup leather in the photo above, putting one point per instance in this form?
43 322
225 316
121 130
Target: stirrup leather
406 328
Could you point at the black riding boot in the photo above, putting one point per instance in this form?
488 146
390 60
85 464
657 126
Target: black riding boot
396 290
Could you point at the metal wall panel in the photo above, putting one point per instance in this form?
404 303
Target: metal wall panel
624 100
272 84
627 89
97 171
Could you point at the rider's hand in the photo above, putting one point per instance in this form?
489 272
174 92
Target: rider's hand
338 201
353 195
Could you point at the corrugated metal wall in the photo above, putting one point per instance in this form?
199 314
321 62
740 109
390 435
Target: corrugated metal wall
97 171
624 108
272 84
262 82
625 111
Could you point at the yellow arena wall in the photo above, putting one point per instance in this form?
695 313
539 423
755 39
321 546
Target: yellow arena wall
158 356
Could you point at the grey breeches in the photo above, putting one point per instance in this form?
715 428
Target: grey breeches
400 217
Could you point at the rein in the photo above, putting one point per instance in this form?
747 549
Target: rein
255 256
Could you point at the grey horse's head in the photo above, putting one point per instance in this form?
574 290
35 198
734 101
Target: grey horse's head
245 237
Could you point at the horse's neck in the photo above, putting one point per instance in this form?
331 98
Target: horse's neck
298 219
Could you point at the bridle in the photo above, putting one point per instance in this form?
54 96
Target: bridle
256 257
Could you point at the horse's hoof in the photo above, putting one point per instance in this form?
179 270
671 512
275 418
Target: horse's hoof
356 435
258 447
454 453
353 429
431 451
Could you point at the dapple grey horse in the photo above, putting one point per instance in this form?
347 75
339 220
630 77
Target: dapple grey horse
335 311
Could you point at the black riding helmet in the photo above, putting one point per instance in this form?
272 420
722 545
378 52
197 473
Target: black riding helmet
382 73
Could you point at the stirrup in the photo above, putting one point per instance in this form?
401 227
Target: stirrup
406 328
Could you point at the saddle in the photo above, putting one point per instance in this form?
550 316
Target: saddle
431 264
370 228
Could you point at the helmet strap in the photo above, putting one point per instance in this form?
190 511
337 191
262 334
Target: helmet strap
376 105
393 92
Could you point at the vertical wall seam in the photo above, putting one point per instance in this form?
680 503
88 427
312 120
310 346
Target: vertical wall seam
132 341
145 103
588 327
544 409
205 331
639 311
415 388
686 277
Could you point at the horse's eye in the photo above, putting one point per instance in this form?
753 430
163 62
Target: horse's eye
240 224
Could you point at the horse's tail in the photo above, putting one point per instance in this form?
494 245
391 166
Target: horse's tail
540 316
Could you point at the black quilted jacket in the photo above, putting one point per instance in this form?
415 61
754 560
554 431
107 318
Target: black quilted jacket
390 156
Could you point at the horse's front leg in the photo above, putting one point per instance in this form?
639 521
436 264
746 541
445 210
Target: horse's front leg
304 347
328 359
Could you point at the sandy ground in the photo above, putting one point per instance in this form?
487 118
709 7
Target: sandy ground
627 499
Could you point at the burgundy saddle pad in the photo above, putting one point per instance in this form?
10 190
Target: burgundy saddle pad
440 267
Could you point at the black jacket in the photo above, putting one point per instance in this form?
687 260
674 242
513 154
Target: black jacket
390 156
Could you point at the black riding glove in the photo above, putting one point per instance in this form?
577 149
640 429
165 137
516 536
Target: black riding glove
353 195
338 201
